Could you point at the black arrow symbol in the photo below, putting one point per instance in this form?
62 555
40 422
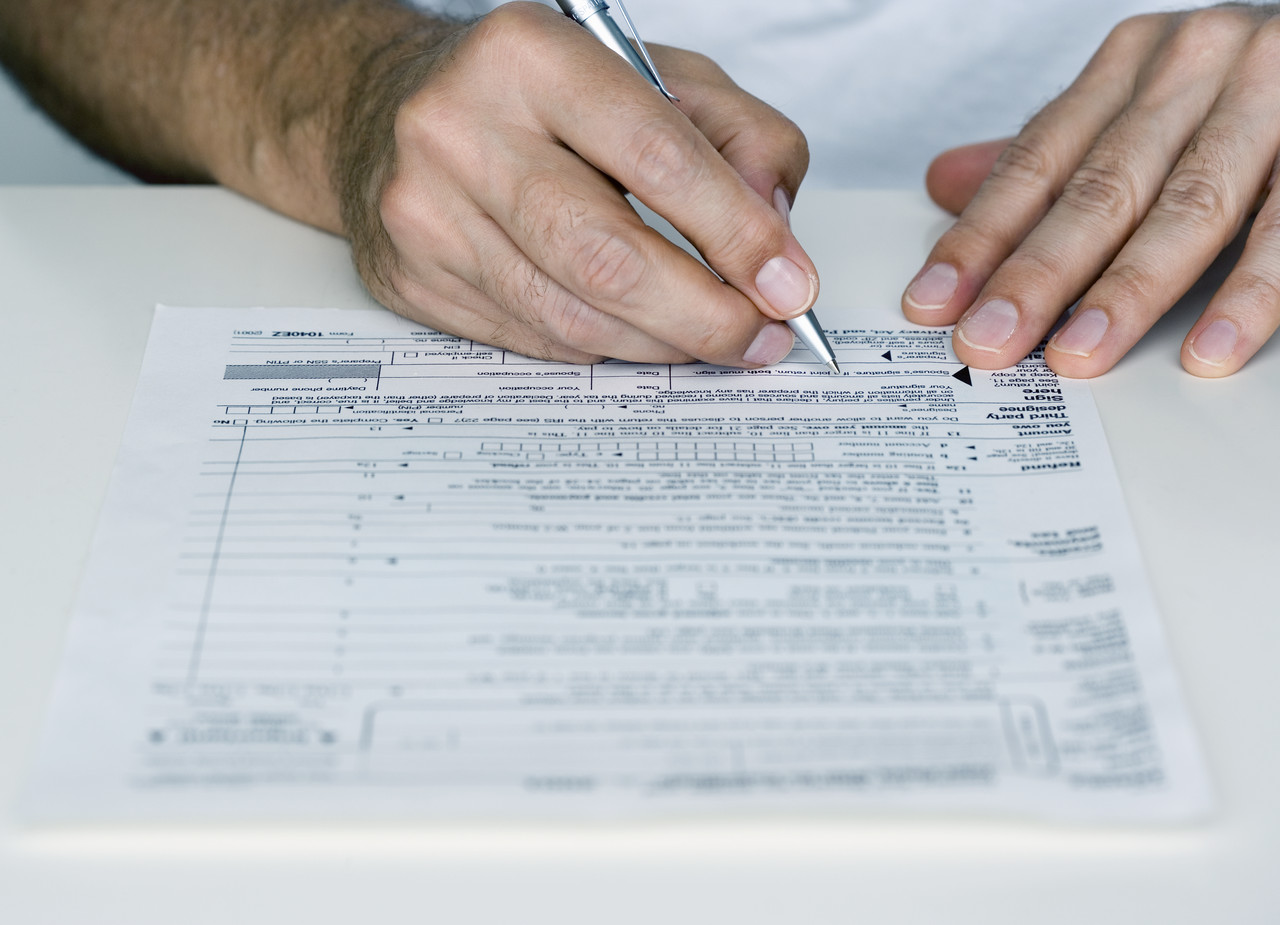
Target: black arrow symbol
888 355
963 375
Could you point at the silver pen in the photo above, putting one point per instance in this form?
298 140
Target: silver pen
593 15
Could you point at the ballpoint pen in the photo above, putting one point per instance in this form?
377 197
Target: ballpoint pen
594 16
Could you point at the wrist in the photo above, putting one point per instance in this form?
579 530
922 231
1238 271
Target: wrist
364 152
282 137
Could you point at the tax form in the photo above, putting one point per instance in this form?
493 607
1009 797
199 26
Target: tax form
351 568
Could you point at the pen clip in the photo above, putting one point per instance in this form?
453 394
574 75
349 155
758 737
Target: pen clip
644 53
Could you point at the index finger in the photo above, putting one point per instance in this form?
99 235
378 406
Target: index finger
762 145
1028 177
630 132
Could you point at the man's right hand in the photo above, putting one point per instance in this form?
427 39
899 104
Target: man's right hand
483 192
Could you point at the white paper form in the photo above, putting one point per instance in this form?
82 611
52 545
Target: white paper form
352 568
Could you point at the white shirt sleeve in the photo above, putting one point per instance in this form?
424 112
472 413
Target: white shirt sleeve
881 86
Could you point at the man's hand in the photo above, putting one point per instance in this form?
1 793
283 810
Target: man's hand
478 169
489 202
1120 193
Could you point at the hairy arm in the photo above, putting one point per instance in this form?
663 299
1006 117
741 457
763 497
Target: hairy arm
260 97
480 187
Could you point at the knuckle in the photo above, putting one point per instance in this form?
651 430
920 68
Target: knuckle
510 331
975 241
432 129
508 37
571 321
1261 56
1126 47
1197 194
1136 29
511 335
790 142
1129 41
1211 27
607 265
507 24
1189 43
714 341
1104 191
1037 264
396 206
411 300
410 224
1259 292
518 286
744 241
1129 284
545 210
373 241
1265 228
1024 162
1267 33
660 159
412 118
428 122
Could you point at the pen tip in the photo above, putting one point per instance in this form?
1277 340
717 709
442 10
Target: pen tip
833 366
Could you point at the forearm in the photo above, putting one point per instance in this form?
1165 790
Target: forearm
253 95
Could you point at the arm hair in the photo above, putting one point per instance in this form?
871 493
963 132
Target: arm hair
291 102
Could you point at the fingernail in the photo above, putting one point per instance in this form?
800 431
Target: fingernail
1082 333
785 286
934 287
991 326
772 344
1215 344
782 203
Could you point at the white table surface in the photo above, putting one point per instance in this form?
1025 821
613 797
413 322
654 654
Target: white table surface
80 270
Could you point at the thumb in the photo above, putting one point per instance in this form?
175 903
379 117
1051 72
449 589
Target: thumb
955 175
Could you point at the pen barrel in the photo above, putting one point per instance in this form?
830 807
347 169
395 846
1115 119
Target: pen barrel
579 10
